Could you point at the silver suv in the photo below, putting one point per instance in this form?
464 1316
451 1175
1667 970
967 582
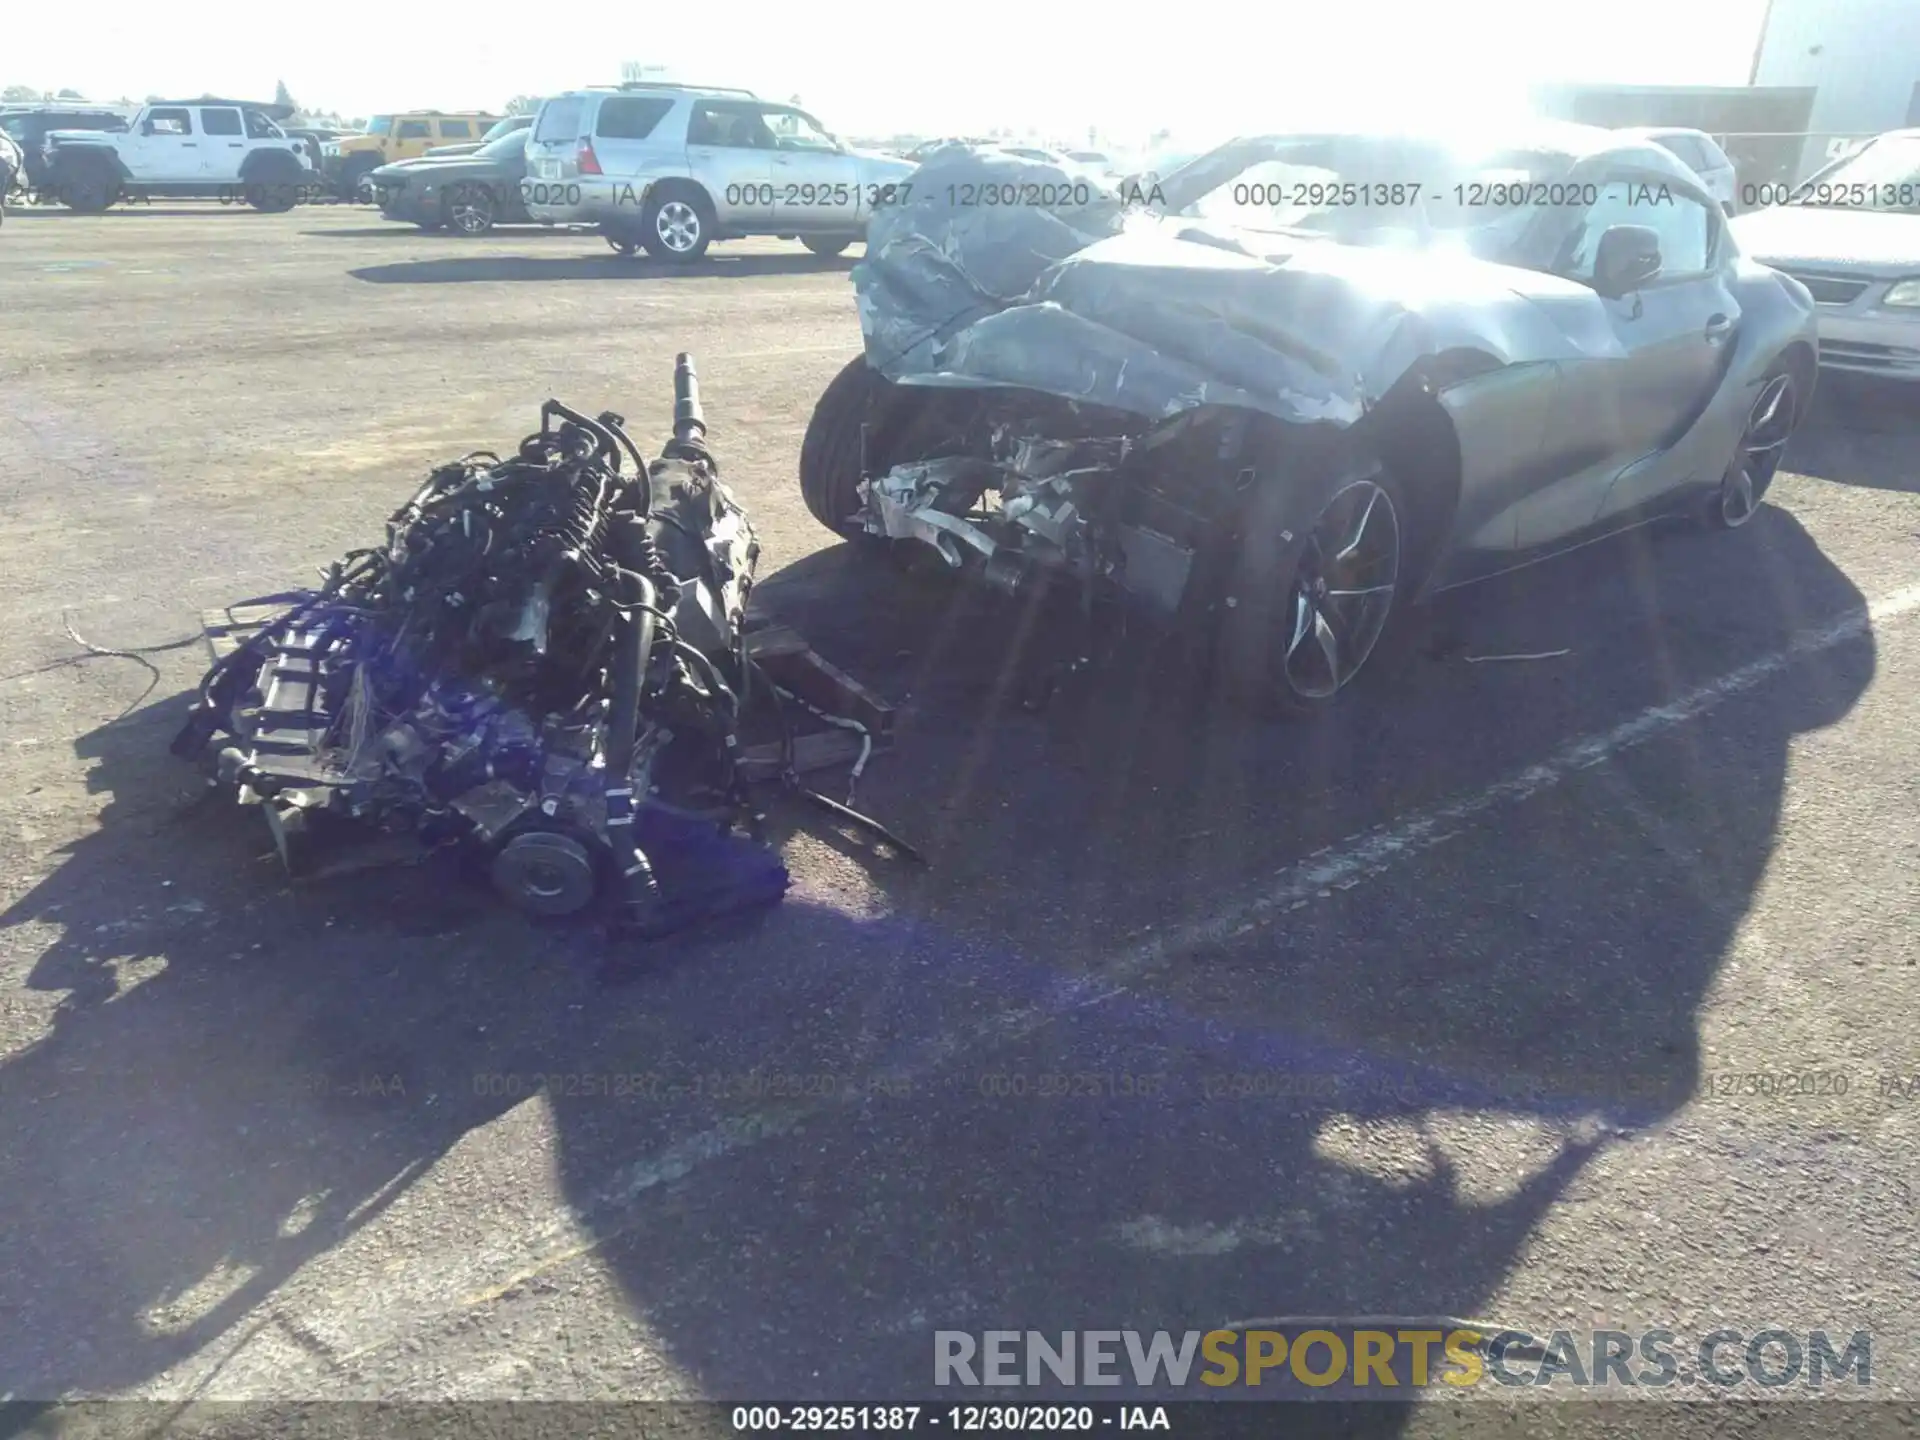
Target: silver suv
676 167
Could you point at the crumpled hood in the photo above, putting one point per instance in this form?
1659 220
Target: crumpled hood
1786 234
1145 313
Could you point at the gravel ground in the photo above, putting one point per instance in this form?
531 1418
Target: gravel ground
1514 939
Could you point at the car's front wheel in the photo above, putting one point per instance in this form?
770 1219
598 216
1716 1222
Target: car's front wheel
830 451
272 197
88 189
470 210
1771 420
1306 608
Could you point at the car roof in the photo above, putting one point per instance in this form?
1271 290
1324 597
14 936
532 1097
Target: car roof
1652 131
276 112
660 87
1571 140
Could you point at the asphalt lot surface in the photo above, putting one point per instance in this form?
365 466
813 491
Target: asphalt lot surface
1520 930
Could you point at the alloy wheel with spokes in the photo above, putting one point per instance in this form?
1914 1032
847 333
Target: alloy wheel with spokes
1343 591
1769 426
470 211
678 226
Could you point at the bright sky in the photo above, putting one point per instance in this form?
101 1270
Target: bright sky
1202 67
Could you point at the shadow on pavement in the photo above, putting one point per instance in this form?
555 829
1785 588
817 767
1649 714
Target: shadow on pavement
1860 432
604 266
503 230
186 1137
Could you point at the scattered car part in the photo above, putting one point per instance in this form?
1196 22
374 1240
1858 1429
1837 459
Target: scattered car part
546 662
1296 390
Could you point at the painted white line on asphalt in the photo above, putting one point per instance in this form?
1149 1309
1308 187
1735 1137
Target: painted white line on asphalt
572 1231
1372 851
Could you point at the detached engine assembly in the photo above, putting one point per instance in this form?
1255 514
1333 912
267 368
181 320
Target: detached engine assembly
547 663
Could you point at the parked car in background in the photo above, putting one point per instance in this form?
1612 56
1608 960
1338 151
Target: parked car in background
29 126
1700 153
205 148
467 194
1851 235
314 139
507 126
920 152
402 135
10 167
675 167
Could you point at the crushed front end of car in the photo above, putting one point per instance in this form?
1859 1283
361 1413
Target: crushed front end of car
1062 385
548 664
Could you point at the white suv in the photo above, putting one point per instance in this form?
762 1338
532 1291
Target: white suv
676 167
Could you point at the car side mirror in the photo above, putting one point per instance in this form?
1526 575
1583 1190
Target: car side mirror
1629 256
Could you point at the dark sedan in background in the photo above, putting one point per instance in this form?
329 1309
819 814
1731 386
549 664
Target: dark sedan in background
467 194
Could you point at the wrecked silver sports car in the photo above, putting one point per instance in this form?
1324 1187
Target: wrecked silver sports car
1304 379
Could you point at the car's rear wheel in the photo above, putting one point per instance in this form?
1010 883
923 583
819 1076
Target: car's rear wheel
678 224
826 246
1763 440
1307 608
624 248
470 210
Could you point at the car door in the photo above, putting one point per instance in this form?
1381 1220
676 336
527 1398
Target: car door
223 144
816 184
1678 346
167 149
730 152
411 138
1645 363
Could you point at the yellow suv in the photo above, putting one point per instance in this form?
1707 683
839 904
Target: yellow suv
403 135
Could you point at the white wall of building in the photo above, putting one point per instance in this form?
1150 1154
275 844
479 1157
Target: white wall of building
1863 55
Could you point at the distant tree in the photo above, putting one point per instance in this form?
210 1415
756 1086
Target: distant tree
19 95
523 104
69 95
283 96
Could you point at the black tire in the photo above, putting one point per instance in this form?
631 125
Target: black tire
830 452
677 223
426 227
273 197
826 246
470 210
626 249
1278 556
354 174
87 189
1756 458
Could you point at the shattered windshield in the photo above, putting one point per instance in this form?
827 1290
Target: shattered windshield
1370 189
1885 175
